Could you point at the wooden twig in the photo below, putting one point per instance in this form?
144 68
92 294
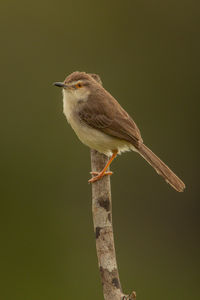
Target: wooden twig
102 219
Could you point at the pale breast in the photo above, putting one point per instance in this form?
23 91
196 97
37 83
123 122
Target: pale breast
93 138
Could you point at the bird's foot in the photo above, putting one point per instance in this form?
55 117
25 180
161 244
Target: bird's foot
98 176
97 173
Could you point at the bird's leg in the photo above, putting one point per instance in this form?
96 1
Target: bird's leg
103 172
106 173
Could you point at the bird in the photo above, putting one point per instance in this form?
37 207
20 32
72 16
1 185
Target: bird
102 124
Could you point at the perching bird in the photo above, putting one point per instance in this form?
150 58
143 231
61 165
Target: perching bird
102 124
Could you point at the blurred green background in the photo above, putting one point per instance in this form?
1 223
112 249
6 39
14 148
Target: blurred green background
147 54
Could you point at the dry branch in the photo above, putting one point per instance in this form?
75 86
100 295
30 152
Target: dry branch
102 219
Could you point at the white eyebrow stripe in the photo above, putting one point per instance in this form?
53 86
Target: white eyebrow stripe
74 82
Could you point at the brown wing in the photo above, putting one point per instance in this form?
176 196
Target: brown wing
105 114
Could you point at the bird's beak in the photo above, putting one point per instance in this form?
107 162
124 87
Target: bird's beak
60 84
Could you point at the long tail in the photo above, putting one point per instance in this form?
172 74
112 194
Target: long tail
161 168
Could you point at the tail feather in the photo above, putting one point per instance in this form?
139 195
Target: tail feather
161 168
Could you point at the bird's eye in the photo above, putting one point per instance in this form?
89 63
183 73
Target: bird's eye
79 85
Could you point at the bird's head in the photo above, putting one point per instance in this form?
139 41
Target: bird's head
79 84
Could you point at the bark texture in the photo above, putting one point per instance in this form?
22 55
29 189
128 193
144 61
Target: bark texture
102 219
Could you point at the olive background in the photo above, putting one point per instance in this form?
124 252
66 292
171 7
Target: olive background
147 54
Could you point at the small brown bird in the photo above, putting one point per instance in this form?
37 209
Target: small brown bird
102 124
